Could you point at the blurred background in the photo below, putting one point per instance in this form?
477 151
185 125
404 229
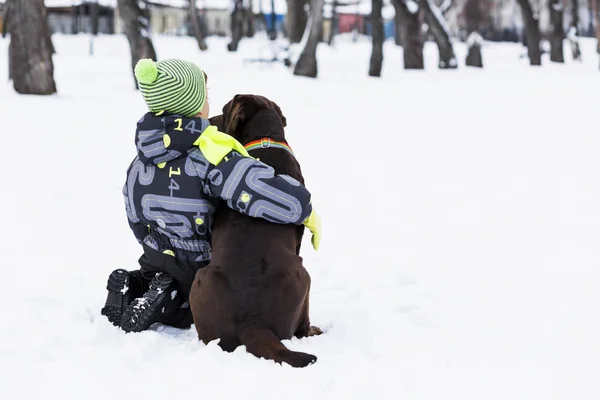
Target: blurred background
295 28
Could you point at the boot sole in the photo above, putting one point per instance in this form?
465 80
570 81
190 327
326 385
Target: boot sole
118 296
140 314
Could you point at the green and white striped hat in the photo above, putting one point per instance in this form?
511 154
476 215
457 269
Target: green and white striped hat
173 86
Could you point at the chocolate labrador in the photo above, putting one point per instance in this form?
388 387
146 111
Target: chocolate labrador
255 291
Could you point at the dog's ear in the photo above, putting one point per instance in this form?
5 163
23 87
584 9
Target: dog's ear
239 110
278 110
234 115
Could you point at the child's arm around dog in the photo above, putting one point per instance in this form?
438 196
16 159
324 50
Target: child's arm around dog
247 185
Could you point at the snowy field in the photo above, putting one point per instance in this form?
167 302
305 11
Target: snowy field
461 249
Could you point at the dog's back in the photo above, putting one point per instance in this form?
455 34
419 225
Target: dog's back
255 290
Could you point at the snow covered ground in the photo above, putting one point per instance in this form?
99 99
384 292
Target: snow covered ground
461 251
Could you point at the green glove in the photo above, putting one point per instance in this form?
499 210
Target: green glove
313 223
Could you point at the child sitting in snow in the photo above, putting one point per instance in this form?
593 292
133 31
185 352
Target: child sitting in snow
185 170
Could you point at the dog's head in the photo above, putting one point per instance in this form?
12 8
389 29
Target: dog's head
249 117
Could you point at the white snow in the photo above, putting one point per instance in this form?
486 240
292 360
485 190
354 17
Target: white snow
473 39
412 6
461 210
572 34
445 6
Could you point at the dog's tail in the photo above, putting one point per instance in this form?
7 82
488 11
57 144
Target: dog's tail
262 342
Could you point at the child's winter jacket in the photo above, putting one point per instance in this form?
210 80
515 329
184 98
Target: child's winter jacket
172 190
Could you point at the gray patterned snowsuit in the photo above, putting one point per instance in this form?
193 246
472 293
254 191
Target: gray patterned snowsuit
172 193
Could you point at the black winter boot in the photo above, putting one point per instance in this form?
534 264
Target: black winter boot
122 288
158 304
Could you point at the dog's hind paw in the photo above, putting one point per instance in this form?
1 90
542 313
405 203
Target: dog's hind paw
300 360
311 331
314 331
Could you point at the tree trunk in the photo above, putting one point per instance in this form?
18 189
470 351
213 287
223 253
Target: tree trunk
474 40
296 20
597 19
474 43
573 35
237 25
94 17
135 25
397 28
31 64
532 34
307 63
596 7
378 36
250 29
445 7
557 31
441 34
411 20
334 22
5 19
94 20
195 19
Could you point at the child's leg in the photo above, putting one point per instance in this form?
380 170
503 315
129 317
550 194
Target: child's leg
157 304
183 271
162 299
165 300
183 318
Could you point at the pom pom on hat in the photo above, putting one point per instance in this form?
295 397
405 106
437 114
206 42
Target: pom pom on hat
146 71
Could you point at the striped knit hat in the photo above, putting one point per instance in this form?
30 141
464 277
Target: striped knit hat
173 86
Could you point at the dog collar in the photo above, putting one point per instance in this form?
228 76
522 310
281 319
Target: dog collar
266 143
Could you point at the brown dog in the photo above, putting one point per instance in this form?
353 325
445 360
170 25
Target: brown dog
255 291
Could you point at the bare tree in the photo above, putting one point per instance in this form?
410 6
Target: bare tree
532 34
411 20
5 19
94 17
195 19
557 31
441 33
445 6
597 19
237 25
296 19
474 40
250 29
30 52
135 23
573 34
307 63
377 36
334 22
